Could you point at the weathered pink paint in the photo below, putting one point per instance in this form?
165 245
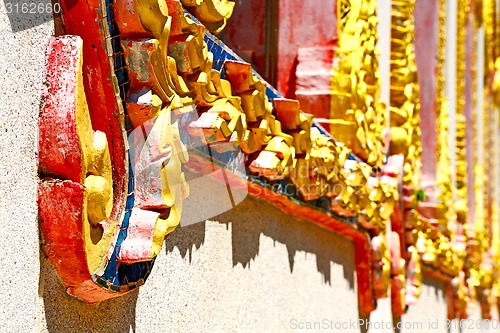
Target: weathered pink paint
137 245
469 130
302 24
314 77
426 14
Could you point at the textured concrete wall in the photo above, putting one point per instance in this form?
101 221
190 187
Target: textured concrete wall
418 318
431 307
255 269
22 42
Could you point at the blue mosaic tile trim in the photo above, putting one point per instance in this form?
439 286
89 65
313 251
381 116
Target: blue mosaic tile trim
120 277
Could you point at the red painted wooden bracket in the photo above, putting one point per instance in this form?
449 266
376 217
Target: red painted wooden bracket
61 193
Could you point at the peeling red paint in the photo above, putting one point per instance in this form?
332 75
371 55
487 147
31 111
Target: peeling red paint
60 155
82 18
60 213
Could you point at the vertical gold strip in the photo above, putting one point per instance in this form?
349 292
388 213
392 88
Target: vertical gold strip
404 94
357 117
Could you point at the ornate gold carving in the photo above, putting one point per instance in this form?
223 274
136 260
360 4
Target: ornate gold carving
357 117
212 13
405 105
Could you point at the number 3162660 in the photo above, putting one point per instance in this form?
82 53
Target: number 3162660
32 8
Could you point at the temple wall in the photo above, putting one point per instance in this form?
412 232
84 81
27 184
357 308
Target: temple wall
21 64
252 269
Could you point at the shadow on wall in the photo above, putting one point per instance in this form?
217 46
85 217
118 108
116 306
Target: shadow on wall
255 217
25 15
64 313
249 221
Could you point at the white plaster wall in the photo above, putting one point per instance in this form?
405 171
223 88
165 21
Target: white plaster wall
429 314
421 317
21 63
256 269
